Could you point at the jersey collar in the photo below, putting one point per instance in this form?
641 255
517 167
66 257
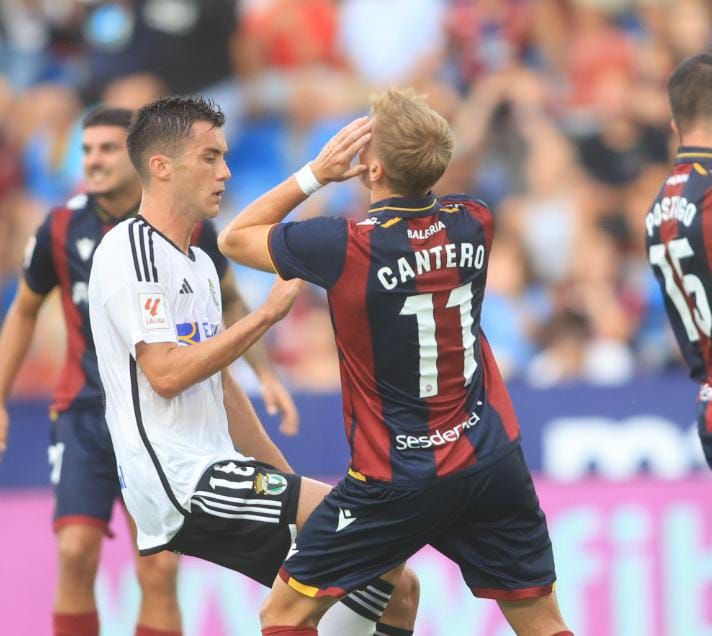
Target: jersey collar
691 154
404 206
190 254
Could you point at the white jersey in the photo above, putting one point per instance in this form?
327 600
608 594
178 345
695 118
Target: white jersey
144 288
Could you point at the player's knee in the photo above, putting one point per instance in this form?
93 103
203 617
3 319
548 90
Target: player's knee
406 596
277 609
158 574
78 557
269 612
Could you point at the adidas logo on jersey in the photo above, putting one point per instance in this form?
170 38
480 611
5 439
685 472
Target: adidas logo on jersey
185 288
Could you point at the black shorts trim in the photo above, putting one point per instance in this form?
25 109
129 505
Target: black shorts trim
156 550
146 442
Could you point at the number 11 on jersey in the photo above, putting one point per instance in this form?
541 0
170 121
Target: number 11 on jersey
421 306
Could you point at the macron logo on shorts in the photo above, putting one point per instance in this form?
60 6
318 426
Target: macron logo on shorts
292 551
346 518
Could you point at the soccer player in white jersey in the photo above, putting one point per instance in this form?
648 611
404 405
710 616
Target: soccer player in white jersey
175 415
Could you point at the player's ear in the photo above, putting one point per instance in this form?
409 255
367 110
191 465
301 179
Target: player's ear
160 167
376 172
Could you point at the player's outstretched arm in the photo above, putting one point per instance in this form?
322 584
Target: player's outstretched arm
274 393
15 339
245 239
246 430
172 369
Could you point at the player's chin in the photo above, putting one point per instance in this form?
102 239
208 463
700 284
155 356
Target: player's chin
99 190
211 211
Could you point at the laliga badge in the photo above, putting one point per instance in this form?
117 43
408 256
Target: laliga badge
153 311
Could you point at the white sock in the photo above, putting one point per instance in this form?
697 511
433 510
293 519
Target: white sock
358 613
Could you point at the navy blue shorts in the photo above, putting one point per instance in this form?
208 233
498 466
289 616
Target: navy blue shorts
488 522
82 468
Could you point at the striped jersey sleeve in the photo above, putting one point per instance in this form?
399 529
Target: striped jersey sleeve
131 287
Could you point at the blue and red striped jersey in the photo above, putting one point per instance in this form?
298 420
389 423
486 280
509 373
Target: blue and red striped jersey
678 234
60 255
422 394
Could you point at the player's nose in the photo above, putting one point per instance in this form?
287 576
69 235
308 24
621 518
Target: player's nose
225 173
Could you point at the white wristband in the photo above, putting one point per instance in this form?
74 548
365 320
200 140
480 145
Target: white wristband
306 180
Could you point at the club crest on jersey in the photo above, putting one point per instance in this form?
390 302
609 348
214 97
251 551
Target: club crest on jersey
153 311
270 484
213 293
85 247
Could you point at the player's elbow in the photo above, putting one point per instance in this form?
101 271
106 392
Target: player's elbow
230 244
167 385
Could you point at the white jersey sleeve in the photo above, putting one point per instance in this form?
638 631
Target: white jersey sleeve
133 299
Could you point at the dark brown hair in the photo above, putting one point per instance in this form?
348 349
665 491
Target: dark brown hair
690 91
105 116
164 124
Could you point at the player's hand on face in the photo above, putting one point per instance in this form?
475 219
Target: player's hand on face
278 400
4 430
282 297
334 161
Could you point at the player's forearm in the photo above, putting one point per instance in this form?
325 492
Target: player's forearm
246 430
15 340
182 367
268 209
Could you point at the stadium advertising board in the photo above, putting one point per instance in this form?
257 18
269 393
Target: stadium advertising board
633 559
618 469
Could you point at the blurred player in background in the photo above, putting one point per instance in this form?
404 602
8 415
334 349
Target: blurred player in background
434 439
175 414
83 469
678 230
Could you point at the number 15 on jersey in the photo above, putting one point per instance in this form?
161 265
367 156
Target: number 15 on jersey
686 291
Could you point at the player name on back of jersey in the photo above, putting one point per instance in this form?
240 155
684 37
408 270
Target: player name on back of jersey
450 255
675 208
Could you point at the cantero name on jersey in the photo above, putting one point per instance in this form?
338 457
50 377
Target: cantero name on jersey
450 255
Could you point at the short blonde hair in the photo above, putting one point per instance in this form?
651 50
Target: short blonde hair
413 141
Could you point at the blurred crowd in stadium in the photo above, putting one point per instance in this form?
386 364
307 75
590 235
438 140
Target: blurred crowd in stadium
558 106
